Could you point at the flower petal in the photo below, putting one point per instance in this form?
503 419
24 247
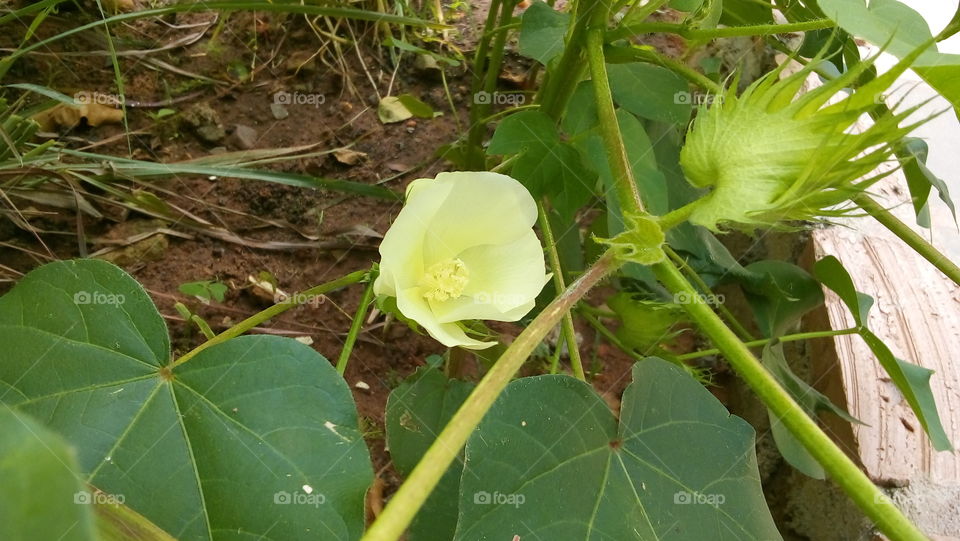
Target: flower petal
483 208
503 279
411 304
401 251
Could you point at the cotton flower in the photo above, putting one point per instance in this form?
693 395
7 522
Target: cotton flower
463 248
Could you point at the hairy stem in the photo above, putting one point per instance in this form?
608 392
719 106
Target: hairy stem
627 191
398 513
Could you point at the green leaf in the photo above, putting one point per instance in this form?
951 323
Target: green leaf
394 109
581 113
41 496
811 400
257 436
44 91
913 156
549 461
912 380
541 32
650 91
901 30
523 130
546 165
417 410
780 293
204 289
746 13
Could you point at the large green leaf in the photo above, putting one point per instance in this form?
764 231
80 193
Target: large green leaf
417 410
912 380
255 437
549 461
780 293
41 494
894 25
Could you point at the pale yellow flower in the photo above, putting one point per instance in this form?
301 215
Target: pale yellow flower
463 248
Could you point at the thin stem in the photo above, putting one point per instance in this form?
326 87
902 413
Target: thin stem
355 327
277 309
844 471
562 78
764 341
698 281
405 503
627 191
909 236
687 32
617 55
608 334
566 325
487 82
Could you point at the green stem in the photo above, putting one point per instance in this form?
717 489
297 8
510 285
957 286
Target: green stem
487 82
627 191
843 470
764 341
608 334
687 32
355 327
566 325
909 236
277 309
405 503
562 78
698 281
618 55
